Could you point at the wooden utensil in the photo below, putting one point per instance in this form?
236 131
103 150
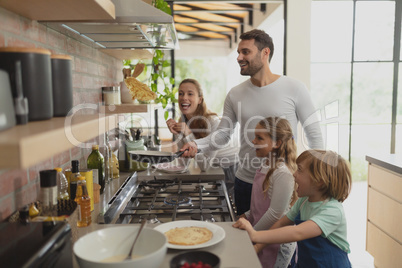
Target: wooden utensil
138 69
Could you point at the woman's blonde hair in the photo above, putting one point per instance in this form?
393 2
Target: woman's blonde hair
280 131
199 125
329 171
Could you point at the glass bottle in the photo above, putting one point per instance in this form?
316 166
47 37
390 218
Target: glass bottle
75 173
62 185
96 162
48 192
83 203
108 159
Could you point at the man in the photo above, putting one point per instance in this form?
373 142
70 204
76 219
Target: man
264 94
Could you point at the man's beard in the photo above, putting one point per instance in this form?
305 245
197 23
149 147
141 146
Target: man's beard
254 68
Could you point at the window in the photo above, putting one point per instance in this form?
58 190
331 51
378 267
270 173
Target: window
352 68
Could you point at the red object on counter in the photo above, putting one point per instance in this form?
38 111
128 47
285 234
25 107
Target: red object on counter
200 264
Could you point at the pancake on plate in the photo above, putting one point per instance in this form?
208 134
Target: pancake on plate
188 236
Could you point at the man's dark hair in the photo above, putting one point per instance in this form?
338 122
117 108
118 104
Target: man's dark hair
261 40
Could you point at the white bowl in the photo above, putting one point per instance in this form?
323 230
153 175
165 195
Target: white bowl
91 249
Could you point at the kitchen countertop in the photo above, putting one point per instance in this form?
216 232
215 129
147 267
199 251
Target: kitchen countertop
235 250
391 162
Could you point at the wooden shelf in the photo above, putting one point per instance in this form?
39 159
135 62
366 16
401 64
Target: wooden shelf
123 108
26 145
62 10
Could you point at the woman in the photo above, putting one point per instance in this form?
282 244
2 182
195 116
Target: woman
198 122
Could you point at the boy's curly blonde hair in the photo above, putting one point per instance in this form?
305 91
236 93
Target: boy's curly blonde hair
329 171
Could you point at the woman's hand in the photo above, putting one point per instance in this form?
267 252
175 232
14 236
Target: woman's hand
182 128
170 124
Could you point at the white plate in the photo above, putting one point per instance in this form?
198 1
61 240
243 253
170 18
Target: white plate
217 231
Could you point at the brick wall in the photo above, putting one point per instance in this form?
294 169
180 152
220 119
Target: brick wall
91 70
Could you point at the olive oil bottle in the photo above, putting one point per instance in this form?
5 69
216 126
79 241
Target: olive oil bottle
96 162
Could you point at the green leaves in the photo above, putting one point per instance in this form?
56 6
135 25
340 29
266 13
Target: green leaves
163 6
159 76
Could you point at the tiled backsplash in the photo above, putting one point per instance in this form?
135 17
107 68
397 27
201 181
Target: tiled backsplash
91 70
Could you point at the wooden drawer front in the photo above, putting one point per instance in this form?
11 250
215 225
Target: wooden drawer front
385 213
386 182
387 252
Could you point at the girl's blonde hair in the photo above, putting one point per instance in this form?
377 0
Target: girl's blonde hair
329 171
199 125
280 130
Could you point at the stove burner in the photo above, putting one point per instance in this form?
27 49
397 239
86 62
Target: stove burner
150 218
159 185
197 188
176 200
205 217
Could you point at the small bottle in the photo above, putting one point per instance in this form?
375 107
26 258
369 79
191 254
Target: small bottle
96 162
83 203
75 173
62 185
48 192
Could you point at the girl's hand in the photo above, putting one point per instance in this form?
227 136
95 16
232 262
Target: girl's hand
242 216
243 224
170 124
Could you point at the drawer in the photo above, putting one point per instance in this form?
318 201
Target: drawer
385 213
386 182
387 252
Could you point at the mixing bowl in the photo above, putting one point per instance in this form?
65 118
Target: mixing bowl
93 249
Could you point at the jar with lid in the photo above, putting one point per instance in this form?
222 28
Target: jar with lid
111 95
48 192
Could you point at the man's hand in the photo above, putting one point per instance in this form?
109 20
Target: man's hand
192 149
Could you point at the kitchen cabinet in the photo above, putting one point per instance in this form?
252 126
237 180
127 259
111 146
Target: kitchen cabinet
384 210
26 145
62 10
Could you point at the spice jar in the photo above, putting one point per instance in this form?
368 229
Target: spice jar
111 95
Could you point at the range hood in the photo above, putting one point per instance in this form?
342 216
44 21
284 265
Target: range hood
137 25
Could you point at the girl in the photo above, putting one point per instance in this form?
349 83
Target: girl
273 187
198 122
324 182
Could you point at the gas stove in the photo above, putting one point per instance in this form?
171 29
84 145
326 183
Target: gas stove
163 200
